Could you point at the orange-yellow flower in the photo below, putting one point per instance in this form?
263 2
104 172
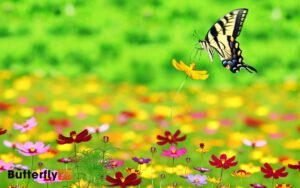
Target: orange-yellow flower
241 174
190 70
283 185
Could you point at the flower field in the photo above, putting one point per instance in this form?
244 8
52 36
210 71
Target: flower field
196 137
120 93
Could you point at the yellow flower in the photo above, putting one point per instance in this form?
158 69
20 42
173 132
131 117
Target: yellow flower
241 174
250 168
292 144
190 70
202 148
213 180
49 154
10 157
48 136
283 186
82 184
65 147
269 159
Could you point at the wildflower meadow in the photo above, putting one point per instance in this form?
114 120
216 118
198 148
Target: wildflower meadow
99 93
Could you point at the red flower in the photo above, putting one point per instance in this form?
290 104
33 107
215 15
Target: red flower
83 136
4 106
169 138
270 173
251 122
296 166
59 124
2 131
130 180
223 162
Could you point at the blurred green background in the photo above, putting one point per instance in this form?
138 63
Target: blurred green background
135 40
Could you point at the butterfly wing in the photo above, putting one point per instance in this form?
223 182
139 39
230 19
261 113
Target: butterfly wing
221 37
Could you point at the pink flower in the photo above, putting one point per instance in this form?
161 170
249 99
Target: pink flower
99 129
47 179
10 144
173 152
114 164
29 124
5 166
254 144
31 149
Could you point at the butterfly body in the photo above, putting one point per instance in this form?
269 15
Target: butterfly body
222 38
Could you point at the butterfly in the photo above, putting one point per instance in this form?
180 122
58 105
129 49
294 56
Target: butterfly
221 37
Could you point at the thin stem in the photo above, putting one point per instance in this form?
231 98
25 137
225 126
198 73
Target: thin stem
173 159
76 165
221 175
152 171
272 182
27 185
177 92
160 183
47 185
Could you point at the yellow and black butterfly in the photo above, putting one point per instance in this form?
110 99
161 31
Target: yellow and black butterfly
222 38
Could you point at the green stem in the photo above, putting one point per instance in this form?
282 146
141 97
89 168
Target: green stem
174 99
272 183
173 160
76 165
27 185
221 176
152 172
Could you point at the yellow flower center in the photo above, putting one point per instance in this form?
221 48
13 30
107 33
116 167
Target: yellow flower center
114 163
196 181
25 125
173 151
32 150
122 180
141 160
223 161
74 136
1 167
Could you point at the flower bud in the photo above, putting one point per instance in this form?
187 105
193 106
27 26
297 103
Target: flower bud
153 149
40 164
162 176
188 160
105 139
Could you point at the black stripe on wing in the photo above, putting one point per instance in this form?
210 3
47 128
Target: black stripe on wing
236 62
240 18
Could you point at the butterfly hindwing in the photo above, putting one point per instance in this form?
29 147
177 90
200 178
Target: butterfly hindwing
235 63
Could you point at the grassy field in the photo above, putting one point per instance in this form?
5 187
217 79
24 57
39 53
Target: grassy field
76 64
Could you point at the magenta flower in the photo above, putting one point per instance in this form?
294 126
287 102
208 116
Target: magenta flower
5 166
112 164
99 129
173 152
10 144
66 160
29 124
47 179
141 160
31 149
